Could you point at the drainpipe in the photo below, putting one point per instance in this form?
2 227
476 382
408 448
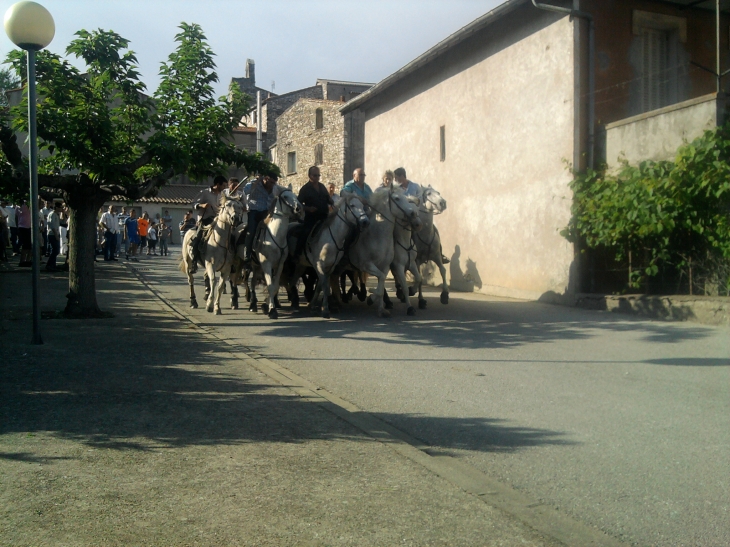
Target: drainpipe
591 70
259 136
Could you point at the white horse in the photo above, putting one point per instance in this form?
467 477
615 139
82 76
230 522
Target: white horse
328 246
373 254
428 241
404 258
218 253
271 247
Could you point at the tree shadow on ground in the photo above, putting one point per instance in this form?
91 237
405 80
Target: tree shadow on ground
146 381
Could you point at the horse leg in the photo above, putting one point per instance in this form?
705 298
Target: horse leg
253 306
444 286
193 300
400 277
363 293
219 290
206 282
324 288
419 283
246 276
210 287
234 296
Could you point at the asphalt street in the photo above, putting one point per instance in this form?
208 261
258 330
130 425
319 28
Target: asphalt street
620 423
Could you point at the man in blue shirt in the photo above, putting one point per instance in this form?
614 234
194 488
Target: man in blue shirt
358 185
410 188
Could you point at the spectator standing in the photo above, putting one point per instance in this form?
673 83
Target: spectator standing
152 239
110 222
167 219
12 226
4 235
132 234
143 225
46 208
23 218
53 228
187 223
121 239
164 235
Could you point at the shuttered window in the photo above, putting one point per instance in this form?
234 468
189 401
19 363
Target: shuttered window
291 162
656 69
319 154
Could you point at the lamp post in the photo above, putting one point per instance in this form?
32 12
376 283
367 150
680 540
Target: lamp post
30 27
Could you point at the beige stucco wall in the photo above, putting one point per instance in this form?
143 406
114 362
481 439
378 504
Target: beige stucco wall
509 124
658 134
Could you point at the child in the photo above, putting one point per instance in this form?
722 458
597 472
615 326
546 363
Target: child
164 236
152 239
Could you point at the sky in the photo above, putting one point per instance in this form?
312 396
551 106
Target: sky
293 42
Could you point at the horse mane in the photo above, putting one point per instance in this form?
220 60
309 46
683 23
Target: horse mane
380 197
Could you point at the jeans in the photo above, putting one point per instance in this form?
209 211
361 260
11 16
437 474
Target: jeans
14 239
163 246
110 246
55 245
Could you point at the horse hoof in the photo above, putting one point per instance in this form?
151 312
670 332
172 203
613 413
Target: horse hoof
326 314
209 309
399 295
277 304
218 312
422 304
253 308
444 298
370 300
362 295
273 314
194 304
234 306
411 310
265 308
388 305
411 291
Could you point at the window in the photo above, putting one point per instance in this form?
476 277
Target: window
442 138
661 68
319 154
291 163
318 119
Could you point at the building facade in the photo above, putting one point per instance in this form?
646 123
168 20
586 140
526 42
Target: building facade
495 115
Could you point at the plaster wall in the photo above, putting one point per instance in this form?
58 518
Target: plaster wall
509 118
658 134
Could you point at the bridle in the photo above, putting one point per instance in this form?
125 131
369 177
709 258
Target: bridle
427 195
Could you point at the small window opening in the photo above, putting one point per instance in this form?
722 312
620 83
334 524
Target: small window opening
442 132
291 163
318 119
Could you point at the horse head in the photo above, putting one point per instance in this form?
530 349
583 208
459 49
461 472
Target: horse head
404 209
289 201
355 207
432 201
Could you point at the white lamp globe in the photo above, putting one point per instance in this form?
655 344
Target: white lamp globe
29 25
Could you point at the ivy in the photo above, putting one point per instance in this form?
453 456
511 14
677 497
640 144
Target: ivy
660 213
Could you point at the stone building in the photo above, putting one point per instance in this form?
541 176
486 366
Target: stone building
490 115
313 132
273 106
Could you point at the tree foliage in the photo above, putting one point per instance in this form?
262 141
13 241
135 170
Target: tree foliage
101 136
667 213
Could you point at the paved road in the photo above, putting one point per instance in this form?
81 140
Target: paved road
620 423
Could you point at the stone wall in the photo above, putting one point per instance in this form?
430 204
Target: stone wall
298 133
275 107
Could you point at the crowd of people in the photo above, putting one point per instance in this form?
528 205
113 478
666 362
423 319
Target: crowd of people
134 235
16 232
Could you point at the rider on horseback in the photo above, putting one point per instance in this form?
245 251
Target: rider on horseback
316 201
260 197
207 204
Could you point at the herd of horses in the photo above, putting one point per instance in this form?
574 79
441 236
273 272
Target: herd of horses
388 232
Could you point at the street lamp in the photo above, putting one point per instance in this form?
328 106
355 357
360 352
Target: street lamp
30 27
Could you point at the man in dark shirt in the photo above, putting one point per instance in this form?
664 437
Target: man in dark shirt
316 201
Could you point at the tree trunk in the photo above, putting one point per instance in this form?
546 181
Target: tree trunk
81 249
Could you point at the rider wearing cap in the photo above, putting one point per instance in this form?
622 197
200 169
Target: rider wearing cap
206 204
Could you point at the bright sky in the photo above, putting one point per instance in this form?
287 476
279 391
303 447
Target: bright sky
293 42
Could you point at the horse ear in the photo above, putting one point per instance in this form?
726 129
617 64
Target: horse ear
289 187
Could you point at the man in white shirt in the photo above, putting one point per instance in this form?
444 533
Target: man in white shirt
12 225
53 231
110 222
44 212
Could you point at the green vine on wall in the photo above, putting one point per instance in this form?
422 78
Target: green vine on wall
660 213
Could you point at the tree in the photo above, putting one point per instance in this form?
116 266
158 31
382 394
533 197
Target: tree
103 137
8 81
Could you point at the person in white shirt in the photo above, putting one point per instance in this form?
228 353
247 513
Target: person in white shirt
110 222
152 239
43 214
53 231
